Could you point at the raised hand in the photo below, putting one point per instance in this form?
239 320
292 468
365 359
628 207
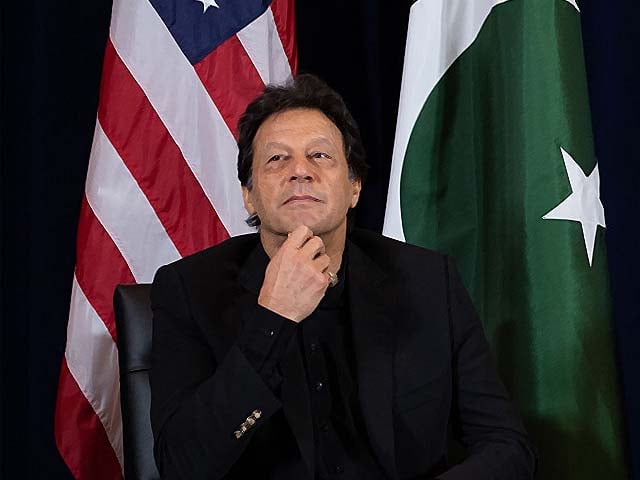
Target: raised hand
295 282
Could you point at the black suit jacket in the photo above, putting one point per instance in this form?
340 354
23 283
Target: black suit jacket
423 370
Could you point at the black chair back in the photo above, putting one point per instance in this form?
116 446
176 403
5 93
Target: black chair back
134 326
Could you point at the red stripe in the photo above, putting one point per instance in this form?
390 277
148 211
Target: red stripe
80 436
285 18
155 161
100 266
231 79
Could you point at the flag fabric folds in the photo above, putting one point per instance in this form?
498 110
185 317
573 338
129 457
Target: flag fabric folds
494 163
161 182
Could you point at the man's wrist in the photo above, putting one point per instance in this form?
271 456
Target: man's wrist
268 304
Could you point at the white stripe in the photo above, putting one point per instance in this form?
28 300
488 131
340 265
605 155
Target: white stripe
439 31
92 358
125 212
171 84
263 45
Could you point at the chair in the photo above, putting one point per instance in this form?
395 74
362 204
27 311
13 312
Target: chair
134 326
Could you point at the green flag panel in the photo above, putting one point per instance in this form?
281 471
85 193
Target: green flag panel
482 167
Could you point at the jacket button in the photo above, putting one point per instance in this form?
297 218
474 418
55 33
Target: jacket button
338 469
319 386
269 333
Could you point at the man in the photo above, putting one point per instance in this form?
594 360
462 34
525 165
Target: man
311 351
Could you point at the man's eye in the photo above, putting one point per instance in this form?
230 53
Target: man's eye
320 155
274 158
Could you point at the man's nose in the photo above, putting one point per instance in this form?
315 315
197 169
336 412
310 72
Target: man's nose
301 169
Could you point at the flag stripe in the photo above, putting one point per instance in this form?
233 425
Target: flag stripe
92 357
99 266
118 202
444 26
271 62
284 17
80 436
151 155
231 79
173 88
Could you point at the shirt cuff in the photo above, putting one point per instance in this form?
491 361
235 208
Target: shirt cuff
264 340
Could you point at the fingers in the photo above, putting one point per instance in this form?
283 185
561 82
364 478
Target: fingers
309 247
321 262
302 239
313 248
296 278
299 236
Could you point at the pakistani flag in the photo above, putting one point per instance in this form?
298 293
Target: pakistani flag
494 164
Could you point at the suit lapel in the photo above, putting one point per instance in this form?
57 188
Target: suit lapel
373 343
294 391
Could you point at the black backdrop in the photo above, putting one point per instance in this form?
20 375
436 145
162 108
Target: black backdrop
51 54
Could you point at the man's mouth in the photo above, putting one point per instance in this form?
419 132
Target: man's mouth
299 198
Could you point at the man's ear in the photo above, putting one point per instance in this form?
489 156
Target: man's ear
356 187
248 204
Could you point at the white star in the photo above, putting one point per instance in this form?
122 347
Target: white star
574 3
208 3
583 205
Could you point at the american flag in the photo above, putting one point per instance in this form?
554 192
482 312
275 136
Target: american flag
161 183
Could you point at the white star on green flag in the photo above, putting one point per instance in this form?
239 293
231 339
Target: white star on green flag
583 205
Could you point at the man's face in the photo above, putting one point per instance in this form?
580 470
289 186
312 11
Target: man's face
300 174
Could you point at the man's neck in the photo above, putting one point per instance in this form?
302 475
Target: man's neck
334 242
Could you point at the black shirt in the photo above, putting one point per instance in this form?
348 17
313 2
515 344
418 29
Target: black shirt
342 449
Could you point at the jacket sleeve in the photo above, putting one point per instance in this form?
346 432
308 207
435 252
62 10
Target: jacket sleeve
199 405
483 417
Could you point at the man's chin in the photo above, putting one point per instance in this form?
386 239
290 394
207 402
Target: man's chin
311 225
308 220
284 228
318 227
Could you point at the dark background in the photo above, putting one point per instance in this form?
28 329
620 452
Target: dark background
50 60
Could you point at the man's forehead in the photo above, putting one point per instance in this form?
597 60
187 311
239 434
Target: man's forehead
307 125
309 142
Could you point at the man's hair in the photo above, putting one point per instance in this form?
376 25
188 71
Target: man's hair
305 91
